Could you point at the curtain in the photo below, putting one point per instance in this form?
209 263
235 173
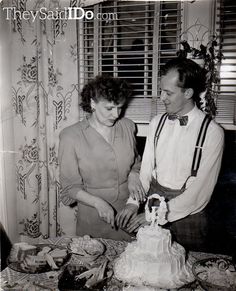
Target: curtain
45 100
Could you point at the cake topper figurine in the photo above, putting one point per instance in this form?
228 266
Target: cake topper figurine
157 214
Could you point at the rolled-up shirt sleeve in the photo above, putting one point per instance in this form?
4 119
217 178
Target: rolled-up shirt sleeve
70 178
147 165
199 189
137 160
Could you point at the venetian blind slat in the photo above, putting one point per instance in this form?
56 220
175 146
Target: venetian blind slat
127 48
226 24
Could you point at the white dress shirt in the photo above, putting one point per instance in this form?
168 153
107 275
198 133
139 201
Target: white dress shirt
174 156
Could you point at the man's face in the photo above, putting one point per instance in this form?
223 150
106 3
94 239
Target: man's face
173 96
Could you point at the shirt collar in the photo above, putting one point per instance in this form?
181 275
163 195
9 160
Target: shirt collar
192 114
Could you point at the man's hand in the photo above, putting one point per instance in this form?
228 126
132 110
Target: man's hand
135 187
136 222
105 211
126 214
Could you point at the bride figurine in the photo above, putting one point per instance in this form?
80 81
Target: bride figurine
157 214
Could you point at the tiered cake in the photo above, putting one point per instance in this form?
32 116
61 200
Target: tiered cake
154 260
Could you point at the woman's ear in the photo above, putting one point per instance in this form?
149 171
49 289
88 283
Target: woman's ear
92 104
188 93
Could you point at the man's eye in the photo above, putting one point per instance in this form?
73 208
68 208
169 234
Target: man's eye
109 109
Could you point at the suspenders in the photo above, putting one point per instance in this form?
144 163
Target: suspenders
157 134
198 147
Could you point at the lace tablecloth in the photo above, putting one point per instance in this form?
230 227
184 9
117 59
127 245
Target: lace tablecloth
12 280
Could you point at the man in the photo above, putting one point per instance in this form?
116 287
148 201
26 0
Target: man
182 156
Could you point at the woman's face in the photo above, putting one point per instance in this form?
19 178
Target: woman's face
106 112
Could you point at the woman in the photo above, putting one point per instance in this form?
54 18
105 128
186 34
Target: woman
98 161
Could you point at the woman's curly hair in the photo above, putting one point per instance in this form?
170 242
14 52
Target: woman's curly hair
105 88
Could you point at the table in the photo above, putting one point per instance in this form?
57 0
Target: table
48 281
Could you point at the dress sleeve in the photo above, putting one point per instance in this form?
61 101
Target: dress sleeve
199 191
70 178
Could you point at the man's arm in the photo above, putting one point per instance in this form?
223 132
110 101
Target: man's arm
134 184
199 189
147 165
132 204
147 162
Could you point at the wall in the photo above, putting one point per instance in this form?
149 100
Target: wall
7 160
201 15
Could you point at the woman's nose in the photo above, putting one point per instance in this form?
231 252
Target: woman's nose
115 112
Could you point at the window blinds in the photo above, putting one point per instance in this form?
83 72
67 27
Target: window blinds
133 44
226 23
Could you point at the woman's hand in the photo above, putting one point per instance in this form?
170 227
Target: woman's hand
105 211
135 187
126 214
136 222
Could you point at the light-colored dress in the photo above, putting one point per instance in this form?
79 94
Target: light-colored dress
87 161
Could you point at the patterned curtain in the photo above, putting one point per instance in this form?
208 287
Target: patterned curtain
45 100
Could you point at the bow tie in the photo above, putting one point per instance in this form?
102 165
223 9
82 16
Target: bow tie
183 120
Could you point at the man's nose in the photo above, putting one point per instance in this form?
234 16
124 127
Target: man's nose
163 95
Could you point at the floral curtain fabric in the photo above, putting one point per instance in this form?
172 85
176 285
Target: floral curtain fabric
45 100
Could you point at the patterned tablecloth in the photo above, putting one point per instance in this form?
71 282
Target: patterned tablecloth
12 280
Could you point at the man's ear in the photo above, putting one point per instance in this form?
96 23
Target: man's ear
188 93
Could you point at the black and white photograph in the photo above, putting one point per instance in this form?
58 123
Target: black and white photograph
118 145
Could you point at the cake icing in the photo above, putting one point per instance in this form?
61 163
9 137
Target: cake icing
153 259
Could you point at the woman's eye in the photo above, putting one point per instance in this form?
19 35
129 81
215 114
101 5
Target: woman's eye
109 109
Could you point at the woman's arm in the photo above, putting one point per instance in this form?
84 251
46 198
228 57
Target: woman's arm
104 209
72 181
70 177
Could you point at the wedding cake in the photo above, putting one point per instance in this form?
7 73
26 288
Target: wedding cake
153 259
